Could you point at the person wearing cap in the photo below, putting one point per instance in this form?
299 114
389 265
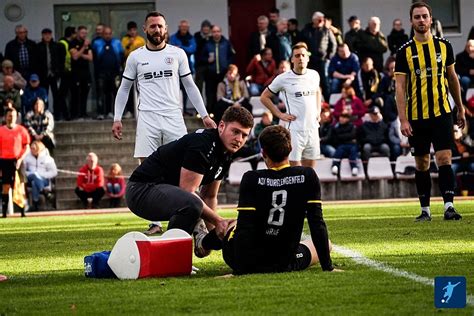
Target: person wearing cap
373 135
351 38
22 52
51 57
32 92
201 39
7 70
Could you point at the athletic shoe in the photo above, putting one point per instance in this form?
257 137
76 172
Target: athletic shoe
451 214
335 170
100 117
127 115
153 229
110 116
355 171
200 231
424 217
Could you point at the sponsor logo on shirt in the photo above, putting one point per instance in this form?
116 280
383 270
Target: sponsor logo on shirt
158 74
305 93
169 60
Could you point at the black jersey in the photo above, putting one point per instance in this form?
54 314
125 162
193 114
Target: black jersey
272 207
201 152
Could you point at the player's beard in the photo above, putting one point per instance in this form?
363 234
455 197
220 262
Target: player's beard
155 41
422 29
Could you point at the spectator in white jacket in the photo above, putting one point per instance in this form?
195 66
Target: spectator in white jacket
40 170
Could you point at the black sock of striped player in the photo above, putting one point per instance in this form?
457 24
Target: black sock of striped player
211 241
446 185
4 204
423 187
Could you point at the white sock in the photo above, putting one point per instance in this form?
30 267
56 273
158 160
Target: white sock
447 205
426 209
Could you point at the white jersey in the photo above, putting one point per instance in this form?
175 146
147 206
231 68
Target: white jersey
157 73
298 92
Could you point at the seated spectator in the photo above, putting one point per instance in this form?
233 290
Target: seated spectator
465 68
115 185
343 70
32 92
325 130
9 95
370 80
343 136
397 37
231 92
350 104
40 170
7 70
463 162
40 125
267 120
90 182
373 136
261 68
385 97
395 140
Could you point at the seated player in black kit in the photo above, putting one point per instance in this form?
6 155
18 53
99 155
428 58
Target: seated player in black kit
272 207
164 186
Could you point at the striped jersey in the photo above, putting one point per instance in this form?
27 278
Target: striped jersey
157 74
298 92
424 64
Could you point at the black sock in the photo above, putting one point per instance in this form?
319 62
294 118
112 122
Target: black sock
4 204
211 241
423 187
446 183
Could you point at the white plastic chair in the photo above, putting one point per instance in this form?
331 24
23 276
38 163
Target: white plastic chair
237 170
379 168
323 170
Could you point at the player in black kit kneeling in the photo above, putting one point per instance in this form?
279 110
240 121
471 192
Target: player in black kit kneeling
273 204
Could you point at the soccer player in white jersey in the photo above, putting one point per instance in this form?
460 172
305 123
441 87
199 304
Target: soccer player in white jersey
302 97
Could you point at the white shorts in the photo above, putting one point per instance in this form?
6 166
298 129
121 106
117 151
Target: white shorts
154 130
305 145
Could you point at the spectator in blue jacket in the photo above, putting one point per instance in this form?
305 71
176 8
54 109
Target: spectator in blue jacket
220 55
32 92
183 39
108 58
343 71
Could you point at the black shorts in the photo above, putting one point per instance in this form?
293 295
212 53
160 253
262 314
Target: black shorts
437 131
8 168
300 261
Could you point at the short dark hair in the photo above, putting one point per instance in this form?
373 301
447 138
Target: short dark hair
8 110
69 31
274 10
81 27
276 142
238 114
420 4
293 21
131 25
154 14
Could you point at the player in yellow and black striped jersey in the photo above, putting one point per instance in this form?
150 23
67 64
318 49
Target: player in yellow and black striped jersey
425 75
273 205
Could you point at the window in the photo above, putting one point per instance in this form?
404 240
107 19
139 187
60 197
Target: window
447 12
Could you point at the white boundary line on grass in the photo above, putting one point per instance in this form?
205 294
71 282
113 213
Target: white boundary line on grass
363 260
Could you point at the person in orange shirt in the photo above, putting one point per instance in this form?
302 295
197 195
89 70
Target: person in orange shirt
14 145
90 181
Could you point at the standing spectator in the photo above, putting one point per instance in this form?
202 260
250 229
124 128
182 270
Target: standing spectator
373 136
343 70
62 109
115 185
373 43
397 37
108 59
40 170
132 40
258 39
350 104
273 17
386 92
465 68
344 138
280 42
322 46
51 58
261 68
335 31
81 55
40 125
325 129
352 37
395 140
370 78
220 55
99 32
31 93
294 32
7 70
14 146
90 181
9 95
184 40
22 52
201 38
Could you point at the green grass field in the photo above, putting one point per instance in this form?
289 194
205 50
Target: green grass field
43 258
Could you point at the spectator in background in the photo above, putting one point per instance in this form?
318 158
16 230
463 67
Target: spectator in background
40 125
325 129
258 39
465 68
220 55
395 140
267 120
7 70
40 170
280 42
294 32
31 93
184 40
463 162
81 55
273 17
344 69
108 60
115 185
397 37
373 135
337 32
344 138
22 52
231 92
352 37
350 104
261 68
99 31
62 108
284 66
373 43
131 40
201 38
9 95
370 78
90 182
385 97
51 57
322 46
